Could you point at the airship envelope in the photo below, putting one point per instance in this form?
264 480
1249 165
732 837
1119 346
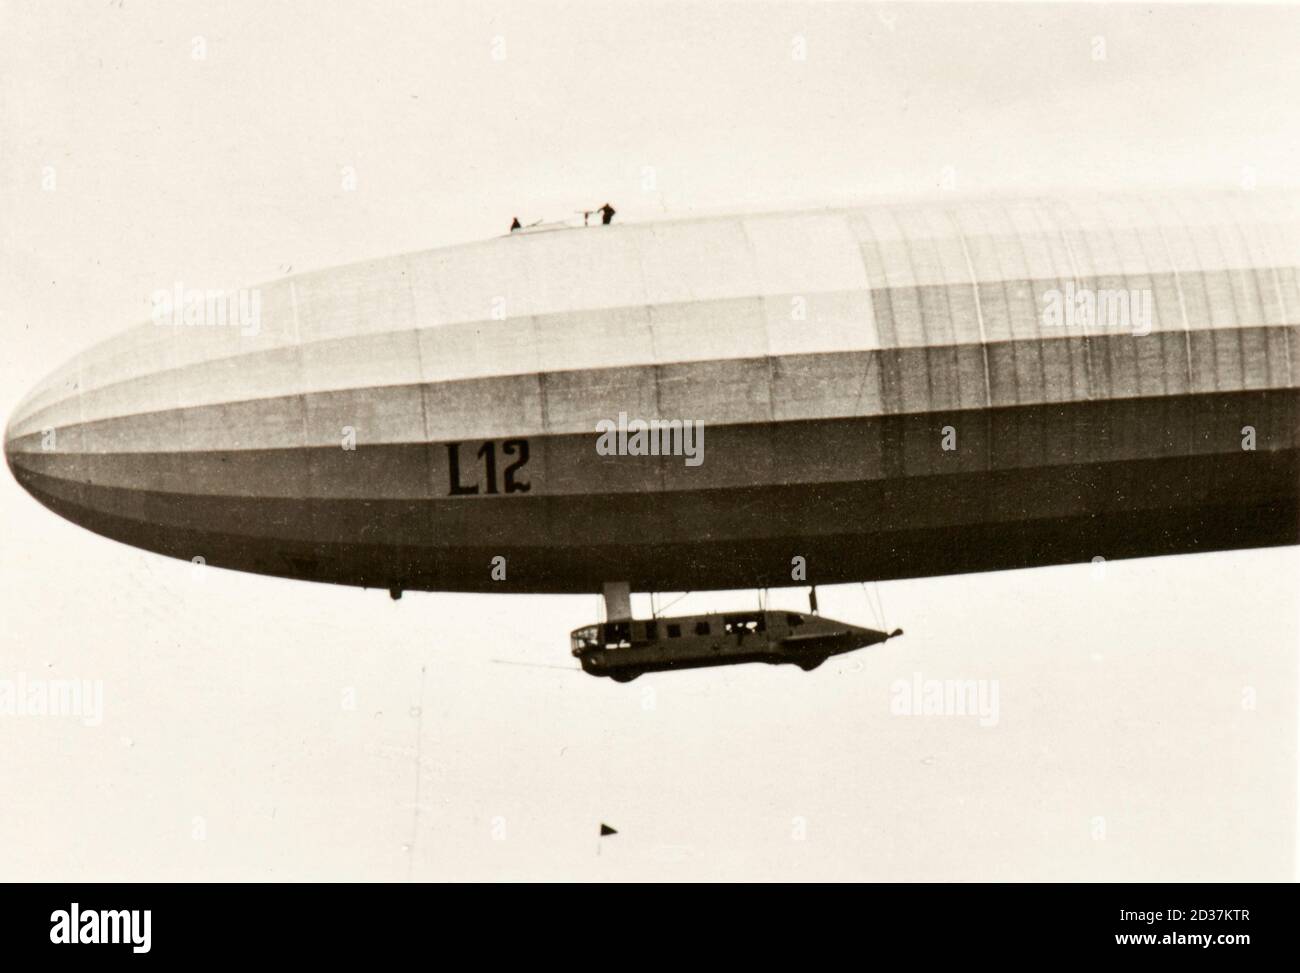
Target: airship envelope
754 400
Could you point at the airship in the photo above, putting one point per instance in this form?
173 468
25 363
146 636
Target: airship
892 390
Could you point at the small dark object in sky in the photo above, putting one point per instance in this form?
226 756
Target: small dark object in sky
606 830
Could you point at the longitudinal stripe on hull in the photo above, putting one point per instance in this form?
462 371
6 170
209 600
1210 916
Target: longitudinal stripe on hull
728 391
920 527
812 452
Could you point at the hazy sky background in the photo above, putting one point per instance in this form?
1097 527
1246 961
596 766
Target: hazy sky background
1123 749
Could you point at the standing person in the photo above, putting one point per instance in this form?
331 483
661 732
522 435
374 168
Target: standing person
606 214
515 225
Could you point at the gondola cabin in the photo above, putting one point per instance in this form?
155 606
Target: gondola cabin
623 649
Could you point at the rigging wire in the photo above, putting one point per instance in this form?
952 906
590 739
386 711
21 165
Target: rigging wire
877 606
664 608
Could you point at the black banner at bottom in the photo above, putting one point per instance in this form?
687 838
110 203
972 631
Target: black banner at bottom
100 923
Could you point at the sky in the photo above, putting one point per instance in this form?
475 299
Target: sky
264 729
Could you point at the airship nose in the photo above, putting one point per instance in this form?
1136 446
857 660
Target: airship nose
40 447
11 451
84 441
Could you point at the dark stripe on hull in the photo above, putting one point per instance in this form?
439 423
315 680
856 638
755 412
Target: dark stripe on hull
917 527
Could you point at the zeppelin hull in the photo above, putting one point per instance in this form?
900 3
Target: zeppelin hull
883 392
